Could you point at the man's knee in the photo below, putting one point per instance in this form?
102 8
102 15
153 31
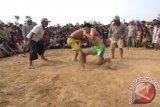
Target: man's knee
80 52
120 48
98 63
112 46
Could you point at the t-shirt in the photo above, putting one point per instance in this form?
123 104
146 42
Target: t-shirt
156 32
26 29
138 35
117 31
38 33
131 31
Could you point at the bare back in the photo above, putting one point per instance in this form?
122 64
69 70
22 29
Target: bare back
96 38
77 35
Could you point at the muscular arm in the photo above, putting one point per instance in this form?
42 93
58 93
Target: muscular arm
74 33
77 34
91 35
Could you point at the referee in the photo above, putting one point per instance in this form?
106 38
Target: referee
36 42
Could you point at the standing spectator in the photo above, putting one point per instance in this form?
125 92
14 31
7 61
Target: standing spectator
145 34
117 34
156 34
131 34
101 32
138 34
36 42
27 27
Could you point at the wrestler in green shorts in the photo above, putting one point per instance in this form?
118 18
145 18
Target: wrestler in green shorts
98 50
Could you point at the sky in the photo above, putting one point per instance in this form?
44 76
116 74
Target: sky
72 11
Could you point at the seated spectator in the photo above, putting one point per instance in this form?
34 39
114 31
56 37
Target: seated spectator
4 52
61 41
6 48
5 40
47 36
3 32
19 46
54 42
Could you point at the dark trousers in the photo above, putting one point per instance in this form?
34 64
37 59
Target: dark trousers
36 48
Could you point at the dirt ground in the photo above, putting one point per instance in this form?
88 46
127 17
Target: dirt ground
60 83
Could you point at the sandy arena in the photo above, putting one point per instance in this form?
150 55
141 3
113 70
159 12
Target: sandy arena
59 83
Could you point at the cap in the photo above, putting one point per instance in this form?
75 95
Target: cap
45 20
28 19
116 18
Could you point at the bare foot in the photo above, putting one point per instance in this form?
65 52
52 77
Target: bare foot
22 55
84 69
30 67
75 60
43 58
108 60
109 66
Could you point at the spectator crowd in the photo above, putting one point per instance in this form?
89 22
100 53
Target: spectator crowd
140 34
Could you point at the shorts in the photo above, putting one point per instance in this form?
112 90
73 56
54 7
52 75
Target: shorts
114 43
36 47
98 50
71 42
131 41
